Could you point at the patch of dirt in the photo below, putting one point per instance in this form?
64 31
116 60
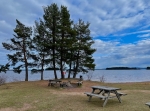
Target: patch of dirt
7 109
24 108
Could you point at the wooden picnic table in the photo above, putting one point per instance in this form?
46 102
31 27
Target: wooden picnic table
52 82
65 83
105 93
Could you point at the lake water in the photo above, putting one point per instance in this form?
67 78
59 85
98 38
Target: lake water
110 76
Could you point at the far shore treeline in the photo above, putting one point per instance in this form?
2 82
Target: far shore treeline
54 42
125 68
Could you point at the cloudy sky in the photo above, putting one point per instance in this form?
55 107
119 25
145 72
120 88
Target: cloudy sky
120 28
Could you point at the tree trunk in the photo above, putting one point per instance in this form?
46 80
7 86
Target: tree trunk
42 69
26 69
61 70
25 61
42 75
26 75
69 70
55 74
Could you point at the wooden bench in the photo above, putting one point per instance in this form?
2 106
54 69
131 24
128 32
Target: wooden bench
148 104
122 94
103 97
119 93
96 95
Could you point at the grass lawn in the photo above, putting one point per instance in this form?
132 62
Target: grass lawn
38 96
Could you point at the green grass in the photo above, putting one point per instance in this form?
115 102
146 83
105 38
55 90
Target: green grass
37 96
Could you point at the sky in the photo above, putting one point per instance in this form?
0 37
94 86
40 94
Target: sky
120 28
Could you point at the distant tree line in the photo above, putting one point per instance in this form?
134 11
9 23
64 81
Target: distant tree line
148 68
125 68
55 42
121 68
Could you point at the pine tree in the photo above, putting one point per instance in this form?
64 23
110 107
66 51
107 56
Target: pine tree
52 23
83 60
64 38
40 48
20 45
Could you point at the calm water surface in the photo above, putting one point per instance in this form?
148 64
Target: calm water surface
110 76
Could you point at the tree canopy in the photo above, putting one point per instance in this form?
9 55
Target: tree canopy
57 43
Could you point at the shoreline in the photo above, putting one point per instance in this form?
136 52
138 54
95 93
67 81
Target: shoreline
85 81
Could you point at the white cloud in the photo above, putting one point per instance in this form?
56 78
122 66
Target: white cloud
137 32
144 35
109 54
106 17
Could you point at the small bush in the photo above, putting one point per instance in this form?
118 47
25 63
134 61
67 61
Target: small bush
2 79
89 75
102 78
15 80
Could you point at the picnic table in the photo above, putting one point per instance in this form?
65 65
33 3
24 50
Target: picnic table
52 82
65 82
105 93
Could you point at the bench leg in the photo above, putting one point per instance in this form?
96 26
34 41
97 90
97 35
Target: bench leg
79 84
52 84
106 99
118 96
90 97
61 85
48 84
105 102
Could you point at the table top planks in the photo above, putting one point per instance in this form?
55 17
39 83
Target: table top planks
105 88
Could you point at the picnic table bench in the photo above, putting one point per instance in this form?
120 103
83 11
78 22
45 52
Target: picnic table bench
71 82
104 93
77 80
148 104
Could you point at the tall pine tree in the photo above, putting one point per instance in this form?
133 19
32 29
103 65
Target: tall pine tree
64 41
20 45
83 60
52 23
40 48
